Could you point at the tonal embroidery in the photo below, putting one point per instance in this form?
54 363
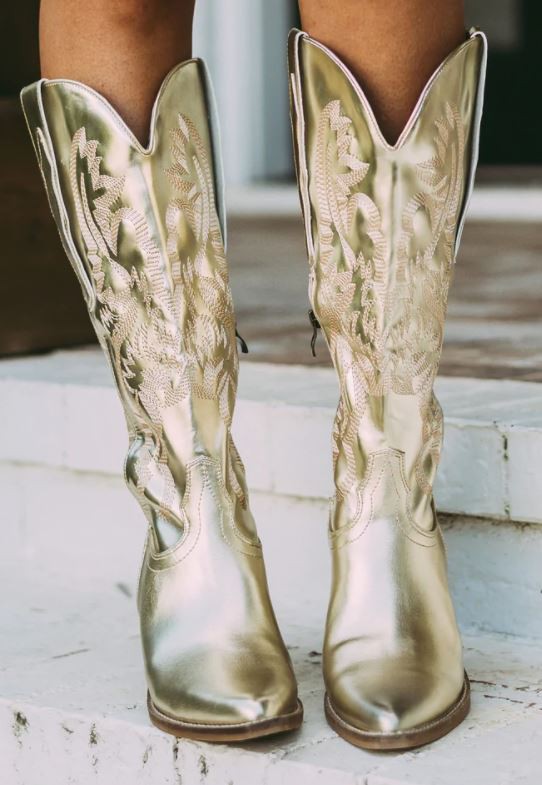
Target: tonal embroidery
170 329
384 327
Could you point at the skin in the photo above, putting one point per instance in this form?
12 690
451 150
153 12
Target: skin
121 48
124 48
391 46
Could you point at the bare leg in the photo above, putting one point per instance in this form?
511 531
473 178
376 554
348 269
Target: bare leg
391 46
122 48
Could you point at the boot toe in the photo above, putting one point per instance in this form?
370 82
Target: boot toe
392 699
217 690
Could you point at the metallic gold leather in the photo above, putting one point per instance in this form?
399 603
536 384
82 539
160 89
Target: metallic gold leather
382 226
141 229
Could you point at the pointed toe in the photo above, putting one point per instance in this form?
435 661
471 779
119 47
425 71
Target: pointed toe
387 700
235 705
223 689
395 720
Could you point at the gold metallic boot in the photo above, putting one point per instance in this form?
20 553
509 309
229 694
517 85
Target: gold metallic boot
141 228
382 227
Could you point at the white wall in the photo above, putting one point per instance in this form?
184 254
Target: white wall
244 44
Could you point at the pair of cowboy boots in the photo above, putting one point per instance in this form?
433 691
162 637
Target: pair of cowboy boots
144 230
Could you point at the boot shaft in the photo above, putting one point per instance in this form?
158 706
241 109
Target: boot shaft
383 223
382 227
141 228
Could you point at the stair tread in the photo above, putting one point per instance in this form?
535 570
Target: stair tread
72 686
476 400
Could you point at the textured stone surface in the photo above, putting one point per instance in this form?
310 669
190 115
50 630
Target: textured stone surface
72 702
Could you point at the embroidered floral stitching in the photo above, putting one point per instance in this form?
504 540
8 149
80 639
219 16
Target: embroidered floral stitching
169 328
375 351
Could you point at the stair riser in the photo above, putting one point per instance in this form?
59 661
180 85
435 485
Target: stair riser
488 468
58 517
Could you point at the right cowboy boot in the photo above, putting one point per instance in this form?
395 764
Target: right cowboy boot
383 224
141 228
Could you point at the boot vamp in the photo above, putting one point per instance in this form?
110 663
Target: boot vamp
212 648
392 654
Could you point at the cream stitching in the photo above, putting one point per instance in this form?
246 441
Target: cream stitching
352 297
139 309
337 537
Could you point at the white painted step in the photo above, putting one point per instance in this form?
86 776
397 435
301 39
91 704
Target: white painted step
53 517
72 703
60 410
71 680
64 442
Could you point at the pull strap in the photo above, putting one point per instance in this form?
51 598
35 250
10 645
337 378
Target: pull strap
242 342
315 327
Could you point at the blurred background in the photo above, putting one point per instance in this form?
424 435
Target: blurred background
495 325
244 42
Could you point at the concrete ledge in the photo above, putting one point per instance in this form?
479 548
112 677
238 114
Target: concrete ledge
61 410
72 702
57 519
72 693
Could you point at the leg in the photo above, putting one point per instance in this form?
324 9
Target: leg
122 48
391 46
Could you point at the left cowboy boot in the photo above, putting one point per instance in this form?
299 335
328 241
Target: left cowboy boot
382 227
144 231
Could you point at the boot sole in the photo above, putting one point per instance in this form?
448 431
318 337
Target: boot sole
225 733
402 740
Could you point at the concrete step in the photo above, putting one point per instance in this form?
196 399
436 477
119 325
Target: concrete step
72 703
54 516
71 681
61 411
64 442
